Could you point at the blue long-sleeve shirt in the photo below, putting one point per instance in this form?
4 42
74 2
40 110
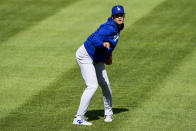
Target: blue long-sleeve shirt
107 32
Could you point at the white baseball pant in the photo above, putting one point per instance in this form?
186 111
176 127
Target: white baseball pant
93 73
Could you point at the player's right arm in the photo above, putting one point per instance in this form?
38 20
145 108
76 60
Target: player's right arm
98 38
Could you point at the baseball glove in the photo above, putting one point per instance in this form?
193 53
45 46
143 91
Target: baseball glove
108 61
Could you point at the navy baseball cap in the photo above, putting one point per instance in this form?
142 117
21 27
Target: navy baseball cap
117 9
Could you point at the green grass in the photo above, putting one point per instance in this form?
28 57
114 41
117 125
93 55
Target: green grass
152 76
27 53
33 58
19 15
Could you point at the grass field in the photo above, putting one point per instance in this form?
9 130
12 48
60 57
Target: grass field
153 76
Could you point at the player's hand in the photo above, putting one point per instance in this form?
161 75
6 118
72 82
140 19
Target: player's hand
106 45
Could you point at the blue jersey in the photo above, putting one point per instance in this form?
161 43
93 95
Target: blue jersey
107 32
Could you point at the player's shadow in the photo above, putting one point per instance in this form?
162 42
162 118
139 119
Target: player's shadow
96 114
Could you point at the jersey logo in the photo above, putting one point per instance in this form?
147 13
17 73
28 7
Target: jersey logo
116 37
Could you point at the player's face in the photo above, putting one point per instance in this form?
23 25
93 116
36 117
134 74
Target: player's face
119 18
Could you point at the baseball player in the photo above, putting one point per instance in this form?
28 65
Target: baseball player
91 56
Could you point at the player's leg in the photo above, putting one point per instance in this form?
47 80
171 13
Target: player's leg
89 75
106 90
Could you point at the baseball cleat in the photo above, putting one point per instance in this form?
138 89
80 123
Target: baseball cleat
108 118
80 120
